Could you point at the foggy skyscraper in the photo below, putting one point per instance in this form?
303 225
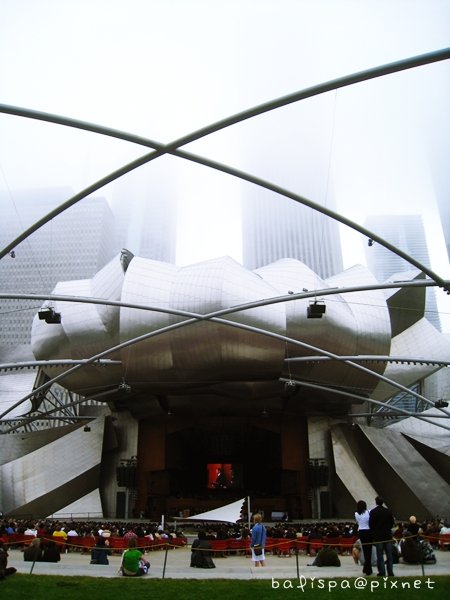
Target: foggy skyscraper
144 205
276 227
407 233
74 245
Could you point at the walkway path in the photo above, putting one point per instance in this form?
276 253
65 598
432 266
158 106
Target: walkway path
175 564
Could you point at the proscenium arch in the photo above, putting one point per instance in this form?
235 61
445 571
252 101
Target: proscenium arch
173 148
215 316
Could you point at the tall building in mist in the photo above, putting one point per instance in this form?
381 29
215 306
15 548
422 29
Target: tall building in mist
144 206
74 245
444 211
276 227
407 233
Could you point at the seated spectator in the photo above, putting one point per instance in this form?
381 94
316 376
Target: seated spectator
417 551
100 552
72 536
395 552
314 536
41 530
412 527
428 557
410 550
347 534
33 552
60 537
445 529
60 534
10 529
51 552
130 534
326 557
30 530
358 555
201 553
133 561
4 569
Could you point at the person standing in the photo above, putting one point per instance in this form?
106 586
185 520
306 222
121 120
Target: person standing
381 522
258 541
362 516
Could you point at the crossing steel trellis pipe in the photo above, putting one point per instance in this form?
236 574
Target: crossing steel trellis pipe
173 149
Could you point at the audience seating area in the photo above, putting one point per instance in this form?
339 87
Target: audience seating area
276 546
85 543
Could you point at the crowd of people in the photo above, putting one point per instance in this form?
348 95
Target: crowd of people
68 531
381 541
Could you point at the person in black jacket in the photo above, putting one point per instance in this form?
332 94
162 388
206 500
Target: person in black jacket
33 552
201 553
100 552
4 569
381 522
51 552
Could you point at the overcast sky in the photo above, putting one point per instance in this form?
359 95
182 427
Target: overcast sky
163 68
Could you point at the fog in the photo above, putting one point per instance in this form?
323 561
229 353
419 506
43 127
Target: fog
161 69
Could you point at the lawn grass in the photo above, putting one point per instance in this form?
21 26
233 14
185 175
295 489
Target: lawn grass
51 587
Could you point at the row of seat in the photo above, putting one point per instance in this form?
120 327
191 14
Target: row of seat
280 546
341 544
442 540
85 543
284 546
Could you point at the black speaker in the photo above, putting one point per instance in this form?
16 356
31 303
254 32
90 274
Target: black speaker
120 505
317 474
315 311
127 476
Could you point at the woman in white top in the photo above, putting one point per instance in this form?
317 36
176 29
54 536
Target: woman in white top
365 535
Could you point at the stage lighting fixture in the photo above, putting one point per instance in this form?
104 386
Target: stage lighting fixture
124 387
86 428
49 315
290 385
441 404
315 310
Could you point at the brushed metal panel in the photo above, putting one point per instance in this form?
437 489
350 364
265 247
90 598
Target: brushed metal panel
352 323
422 339
206 352
17 445
147 282
13 387
426 432
107 283
410 466
40 472
90 504
348 469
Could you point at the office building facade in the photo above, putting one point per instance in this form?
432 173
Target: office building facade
407 233
74 245
275 227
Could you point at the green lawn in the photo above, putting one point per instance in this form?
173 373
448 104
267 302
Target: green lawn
50 587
